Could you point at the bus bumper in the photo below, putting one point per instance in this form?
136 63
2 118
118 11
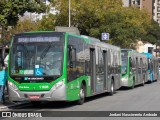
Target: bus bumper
52 95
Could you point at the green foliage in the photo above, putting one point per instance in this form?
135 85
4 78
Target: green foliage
47 22
152 34
11 9
25 25
126 25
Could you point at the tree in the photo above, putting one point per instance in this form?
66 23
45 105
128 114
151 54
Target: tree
152 34
24 25
92 17
11 9
85 14
126 25
47 22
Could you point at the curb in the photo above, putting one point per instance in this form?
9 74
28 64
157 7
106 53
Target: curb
12 105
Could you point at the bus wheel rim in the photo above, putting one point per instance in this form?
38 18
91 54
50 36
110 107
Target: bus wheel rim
81 93
112 88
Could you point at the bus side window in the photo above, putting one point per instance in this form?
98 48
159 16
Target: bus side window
71 68
72 56
130 62
19 60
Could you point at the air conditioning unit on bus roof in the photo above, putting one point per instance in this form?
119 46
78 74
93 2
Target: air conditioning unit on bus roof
72 30
92 38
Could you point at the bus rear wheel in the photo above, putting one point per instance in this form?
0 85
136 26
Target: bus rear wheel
81 95
133 85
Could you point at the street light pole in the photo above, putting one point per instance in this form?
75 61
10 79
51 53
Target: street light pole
69 14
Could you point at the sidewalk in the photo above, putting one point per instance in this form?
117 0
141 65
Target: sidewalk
8 103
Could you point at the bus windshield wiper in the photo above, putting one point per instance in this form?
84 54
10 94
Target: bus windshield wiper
45 51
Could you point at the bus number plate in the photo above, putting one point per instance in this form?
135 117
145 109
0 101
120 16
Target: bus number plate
34 97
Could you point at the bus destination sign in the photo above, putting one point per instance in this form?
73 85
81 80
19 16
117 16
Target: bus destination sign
38 39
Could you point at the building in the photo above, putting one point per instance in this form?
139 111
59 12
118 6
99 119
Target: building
127 3
148 5
156 11
145 47
151 6
141 4
153 9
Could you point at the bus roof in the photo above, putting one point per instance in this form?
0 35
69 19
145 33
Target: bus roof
97 42
88 39
37 33
128 50
149 55
34 32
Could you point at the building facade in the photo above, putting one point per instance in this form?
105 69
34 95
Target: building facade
145 47
148 5
141 4
127 3
156 11
153 9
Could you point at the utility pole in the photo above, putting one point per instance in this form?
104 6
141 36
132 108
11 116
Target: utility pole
69 13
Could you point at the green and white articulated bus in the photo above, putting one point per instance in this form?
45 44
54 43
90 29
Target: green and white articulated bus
58 66
134 68
153 67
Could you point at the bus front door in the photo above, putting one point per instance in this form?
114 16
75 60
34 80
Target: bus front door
93 70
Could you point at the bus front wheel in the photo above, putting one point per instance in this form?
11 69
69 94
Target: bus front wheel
81 95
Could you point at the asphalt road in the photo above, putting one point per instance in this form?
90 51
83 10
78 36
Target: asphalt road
141 98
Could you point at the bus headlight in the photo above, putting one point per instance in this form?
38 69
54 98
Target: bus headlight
12 85
58 85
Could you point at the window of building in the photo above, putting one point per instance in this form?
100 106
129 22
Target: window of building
150 49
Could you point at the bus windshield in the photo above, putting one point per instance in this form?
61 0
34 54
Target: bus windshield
124 56
36 58
124 65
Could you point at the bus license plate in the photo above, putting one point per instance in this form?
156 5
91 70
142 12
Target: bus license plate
34 97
